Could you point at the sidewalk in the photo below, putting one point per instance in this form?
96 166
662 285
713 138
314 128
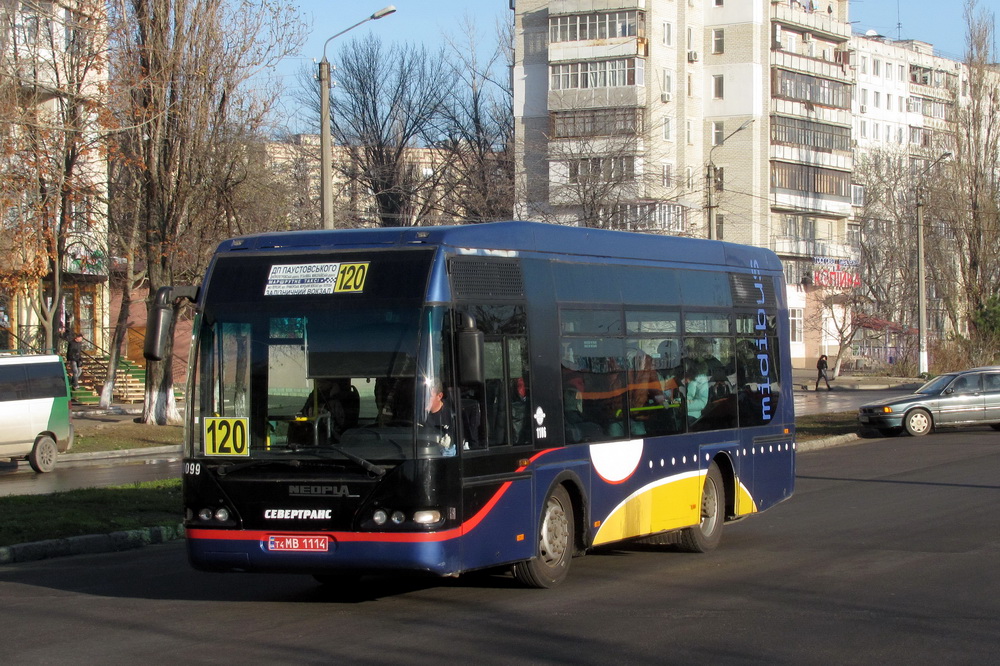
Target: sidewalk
804 379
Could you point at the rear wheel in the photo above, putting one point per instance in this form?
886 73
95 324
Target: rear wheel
995 426
43 455
918 422
705 536
555 544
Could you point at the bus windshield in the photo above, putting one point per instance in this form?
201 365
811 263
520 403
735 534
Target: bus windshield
316 377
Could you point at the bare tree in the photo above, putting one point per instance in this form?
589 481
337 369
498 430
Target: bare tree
479 129
52 63
387 103
183 73
975 205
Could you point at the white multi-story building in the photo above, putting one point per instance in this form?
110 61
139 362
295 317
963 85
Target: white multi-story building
714 118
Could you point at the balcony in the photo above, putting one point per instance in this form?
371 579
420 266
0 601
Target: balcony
819 23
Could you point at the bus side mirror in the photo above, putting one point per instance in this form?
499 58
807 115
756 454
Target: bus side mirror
161 319
471 344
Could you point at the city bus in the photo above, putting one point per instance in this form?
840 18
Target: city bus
451 399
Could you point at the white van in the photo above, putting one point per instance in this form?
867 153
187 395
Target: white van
35 419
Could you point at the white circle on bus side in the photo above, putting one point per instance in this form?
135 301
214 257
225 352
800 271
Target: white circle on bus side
616 461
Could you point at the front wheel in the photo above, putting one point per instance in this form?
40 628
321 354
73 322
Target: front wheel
707 534
43 455
555 544
918 422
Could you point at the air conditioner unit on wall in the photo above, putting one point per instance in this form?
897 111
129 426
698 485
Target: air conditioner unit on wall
864 108
692 56
666 97
807 37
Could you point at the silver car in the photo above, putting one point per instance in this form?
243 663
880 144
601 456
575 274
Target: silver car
970 397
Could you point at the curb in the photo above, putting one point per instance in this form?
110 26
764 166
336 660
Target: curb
123 453
89 544
827 442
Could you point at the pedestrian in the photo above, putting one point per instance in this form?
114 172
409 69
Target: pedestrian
821 366
74 356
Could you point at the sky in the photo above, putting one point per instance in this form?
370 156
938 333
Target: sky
425 22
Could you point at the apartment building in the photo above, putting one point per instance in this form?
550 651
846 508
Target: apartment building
715 118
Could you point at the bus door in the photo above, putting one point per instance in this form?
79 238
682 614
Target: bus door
496 421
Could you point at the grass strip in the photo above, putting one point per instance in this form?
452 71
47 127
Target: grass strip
28 518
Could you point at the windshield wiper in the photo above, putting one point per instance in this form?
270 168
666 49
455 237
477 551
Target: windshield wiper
366 465
229 468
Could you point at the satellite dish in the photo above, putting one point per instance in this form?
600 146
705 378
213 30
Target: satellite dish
871 33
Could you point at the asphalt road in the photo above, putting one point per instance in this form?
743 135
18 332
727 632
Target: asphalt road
886 554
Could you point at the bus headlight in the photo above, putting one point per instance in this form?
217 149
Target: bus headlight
206 514
222 515
398 517
427 517
379 517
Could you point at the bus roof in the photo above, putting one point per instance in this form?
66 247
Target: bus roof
519 237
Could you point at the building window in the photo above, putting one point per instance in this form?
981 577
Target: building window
876 67
720 179
596 122
720 227
690 38
718 86
808 88
690 132
668 34
718 132
718 41
719 3
668 129
602 169
668 81
599 25
876 99
668 175
818 136
796 323
806 178
597 74
689 177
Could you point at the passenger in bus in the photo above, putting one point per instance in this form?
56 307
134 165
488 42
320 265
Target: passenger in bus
695 390
324 404
578 429
520 416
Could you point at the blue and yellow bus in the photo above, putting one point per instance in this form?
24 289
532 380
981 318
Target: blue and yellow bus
448 399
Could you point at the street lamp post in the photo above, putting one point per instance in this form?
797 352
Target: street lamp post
923 367
710 178
325 139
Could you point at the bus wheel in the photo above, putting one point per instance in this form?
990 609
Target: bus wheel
43 455
705 536
918 422
555 544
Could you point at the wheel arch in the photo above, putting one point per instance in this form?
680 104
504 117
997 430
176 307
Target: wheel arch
581 506
724 462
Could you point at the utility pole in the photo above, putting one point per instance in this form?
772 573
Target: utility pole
325 139
923 366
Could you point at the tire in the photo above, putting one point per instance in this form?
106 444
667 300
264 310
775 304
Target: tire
555 544
707 534
918 422
995 426
43 455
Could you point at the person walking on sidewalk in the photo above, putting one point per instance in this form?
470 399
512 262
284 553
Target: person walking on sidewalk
74 354
821 366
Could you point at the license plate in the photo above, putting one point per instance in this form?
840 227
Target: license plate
298 544
863 419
